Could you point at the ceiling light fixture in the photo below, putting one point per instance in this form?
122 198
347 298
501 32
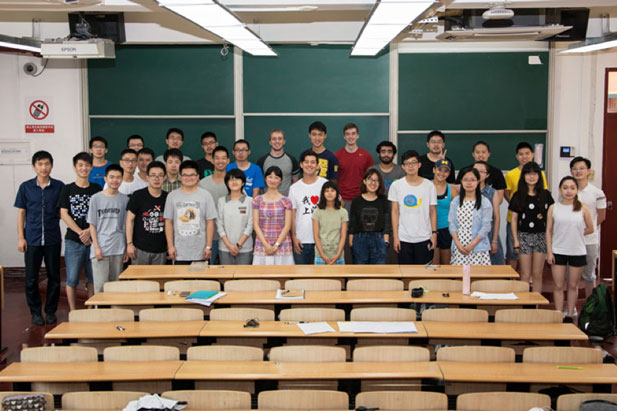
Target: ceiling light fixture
217 19
594 44
20 44
386 21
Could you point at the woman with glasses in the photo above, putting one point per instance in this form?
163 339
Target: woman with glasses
369 221
272 222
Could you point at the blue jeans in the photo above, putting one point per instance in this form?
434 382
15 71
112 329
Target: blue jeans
307 257
369 248
215 251
510 254
77 255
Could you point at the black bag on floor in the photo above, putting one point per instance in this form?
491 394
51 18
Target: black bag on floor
597 315
24 402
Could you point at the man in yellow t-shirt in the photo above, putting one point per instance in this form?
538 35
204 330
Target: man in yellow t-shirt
524 154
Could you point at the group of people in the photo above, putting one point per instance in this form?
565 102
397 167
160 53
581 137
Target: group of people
173 210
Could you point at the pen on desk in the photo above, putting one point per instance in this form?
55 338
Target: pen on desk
284 292
296 322
569 367
120 328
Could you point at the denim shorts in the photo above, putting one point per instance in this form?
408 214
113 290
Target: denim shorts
76 256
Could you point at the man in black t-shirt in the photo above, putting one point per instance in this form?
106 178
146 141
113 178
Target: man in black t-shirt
145 225
436 143
481 152
74 202
206 164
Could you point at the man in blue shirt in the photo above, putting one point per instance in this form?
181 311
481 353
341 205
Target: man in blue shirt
254 177
38 233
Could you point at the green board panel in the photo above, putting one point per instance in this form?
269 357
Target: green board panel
319 79
458 146
472 91
162 80
257 131
153 131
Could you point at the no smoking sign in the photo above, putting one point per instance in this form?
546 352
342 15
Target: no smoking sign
38 110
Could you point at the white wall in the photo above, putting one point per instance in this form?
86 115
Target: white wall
61 81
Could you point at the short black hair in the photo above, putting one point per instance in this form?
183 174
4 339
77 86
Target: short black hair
42 155
242 141
127 151
134 137
309 153
83 156
322 198
237 174
156 164
274 169
386 143
145 150
220 148
192 164
98 138
410 154
435 133
114 167
174 130
208 134
319 126
172 152
578 159
522 145
481 143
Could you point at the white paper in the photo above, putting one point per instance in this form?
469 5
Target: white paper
494 296
534 60
280 295
378 327
207 301
154 402
315 328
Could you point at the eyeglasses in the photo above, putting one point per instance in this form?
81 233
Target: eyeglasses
410 163
189 175
469 180
240 150
175 138
126 160
208 143
98 146
373 180
579 169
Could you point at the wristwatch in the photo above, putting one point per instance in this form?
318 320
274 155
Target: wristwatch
238 245
208 247
277 244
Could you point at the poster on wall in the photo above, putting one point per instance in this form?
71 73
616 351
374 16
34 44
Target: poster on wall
39 115
15 152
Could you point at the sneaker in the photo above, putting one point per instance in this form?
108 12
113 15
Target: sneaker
568 320
37 319
565 312
51 319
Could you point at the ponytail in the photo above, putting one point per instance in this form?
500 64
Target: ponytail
577 205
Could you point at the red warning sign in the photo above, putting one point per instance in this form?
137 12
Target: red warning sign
39 110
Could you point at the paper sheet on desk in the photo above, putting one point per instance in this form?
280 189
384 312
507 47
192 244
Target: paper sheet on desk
154 402
494 296
315 328
379 327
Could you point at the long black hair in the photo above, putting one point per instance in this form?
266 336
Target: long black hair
478 192
523 188
322 199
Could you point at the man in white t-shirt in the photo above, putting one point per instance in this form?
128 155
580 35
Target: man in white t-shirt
304 195
595 200
414 213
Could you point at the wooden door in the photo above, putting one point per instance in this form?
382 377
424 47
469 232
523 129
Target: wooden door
609 174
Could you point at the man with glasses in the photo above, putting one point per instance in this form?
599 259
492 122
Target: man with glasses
436 142
254 177
145 225
208 144
98 150
390 172
174 139
135 142
414 213
128 162
189 219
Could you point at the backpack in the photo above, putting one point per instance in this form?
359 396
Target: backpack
597 315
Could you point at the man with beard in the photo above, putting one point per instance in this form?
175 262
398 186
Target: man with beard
390 172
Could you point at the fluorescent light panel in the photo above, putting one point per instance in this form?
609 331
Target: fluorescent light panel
596 44
17 43
221 22
387 20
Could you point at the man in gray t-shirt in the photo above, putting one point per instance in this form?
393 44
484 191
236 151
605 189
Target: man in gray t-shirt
278 157
389 171
189 218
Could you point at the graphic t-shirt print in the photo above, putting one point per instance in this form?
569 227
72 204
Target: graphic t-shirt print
188 217
153 221
309 203
411 201
79 206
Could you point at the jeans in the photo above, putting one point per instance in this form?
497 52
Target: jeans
369 248
415 253
498 257
77 255
215 251
33 257
307 257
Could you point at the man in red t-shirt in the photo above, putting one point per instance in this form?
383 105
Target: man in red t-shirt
353 162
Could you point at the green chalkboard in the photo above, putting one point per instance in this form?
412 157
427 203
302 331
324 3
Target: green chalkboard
162 80
473 91
316 79
153 131
459 146
257 131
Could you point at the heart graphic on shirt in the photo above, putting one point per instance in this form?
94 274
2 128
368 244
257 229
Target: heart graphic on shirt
314 199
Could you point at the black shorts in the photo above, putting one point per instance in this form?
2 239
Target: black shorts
444 239
571 260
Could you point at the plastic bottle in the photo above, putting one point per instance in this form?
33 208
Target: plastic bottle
466 279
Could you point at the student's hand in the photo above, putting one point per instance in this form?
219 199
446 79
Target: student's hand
550 258
443 154
326 260
396 244
335 258
517 247
125 258
468 248
234 250
84 237
98 253
433 241
350 242
297 245
172 253
130 251
207 254
494 247
461 249
22 245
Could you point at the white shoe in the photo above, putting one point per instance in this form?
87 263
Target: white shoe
565 312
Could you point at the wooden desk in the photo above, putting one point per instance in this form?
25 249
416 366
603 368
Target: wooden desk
316 271
528 373
314 297
268 370
108 330
478 272
504 331
89 371
177 272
